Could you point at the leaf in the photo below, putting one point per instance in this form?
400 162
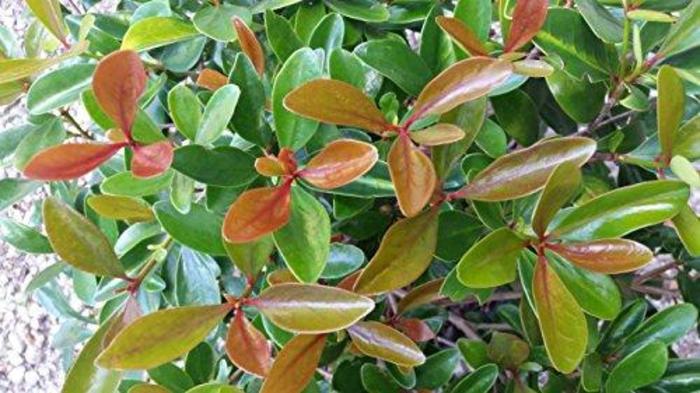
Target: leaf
213 387
69 161
78 241
311 309
533 68
48 12
24 237
251 257
683 34
561 186
687 225
249 44
13 190
380 341
528 18
623 210
198 229
413 175
328 34
247 118
507 350
685 171
294 131
161 337
185 110
339 163
609 256
667 326
363 10
479 381
217 114
247 348
626 322
602 22
579 99
216 21
119 81
396 61
256 213
376 380
438 134
17 69
303 241
211 79
120 208
562 323
295 365
525 171
463 35
415 329
403 255
152 160
223 166
126 184
420 295
282 38
638 369
670 108
58 88
481 267
437 369
336 102
464 81
517 114
157 31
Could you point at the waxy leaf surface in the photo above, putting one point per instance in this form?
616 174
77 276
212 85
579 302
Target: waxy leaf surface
491 262
339 163
252 256
463 35
120 207
439 134
249 44
152 160
670 107
640 368
49 13
528 18
413 175
609 256
247 348
295 365
256 213
559 189
69 161
380 341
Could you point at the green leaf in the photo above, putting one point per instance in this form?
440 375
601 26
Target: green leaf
160 337
380 341
283 40
580 99
347 67
437 369
247 118
78 241
16 69
670 107
667 326
481 267
396 61
24 237
214 387
58 88
687 140
479 381
602 22
304 241
13 190
404 254
474 352
508 350
185 110
457 232
170 377
217 114
223 166
517 114
343 259
311 309
687 225
591 372
640 368
561 186
199 229
376 380
684 34
251 257
562 323
627 321
328 34
157 31
623 210
215 21
363 10
125 183
294 131
45 135
685 171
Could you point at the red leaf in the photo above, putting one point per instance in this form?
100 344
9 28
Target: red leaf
257 212
211 79
249 44
528 18
247 348
69 161
118 83
415 329
152 160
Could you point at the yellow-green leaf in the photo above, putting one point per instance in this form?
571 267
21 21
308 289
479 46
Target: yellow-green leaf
118 207
561 186
157 31
687 225
380 341
295 365
49 14
439 134
491 262
15 69
252 256
671 103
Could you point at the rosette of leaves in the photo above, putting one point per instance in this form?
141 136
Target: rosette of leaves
361 196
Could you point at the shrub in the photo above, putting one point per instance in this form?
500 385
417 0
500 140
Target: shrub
285 196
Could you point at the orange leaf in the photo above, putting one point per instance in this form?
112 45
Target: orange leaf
415 329
286 156
528 18
295 365
257 212
69 161
609 256
438 134
336 102
211 79
348 283
118 82
270 166
340 163
413 175
152 160
247 348
250 44
463 35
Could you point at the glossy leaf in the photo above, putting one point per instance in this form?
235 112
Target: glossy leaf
667 326
211 79
58 88
561 186
251 257
198 229
422 294
215 21
439 134
670 107
479 381
380 341
249 44
256 213
24 237
683 35
69 161
415 329
336 102
628 375
525 171
126 184
247 348
295 365
605 25
160 337
609 256
437 369
480 267
217 114
120 207
403 255
462 34
687 225
49 13
413 175
224 166
339 163
397 62
78 241
685 171
152 160
157 31
562 323
528 18
17 69
185 110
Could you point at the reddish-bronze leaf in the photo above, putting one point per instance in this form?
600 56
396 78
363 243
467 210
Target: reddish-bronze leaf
462 35
420 295
118 82
464 81
336 102
340 163
413 175
348 283
380 341
69 161
211 79
281 276
130 313
415 329
439 134
269 166
152 160
286 157
257 212
295 365
609 256
528 18
247 348
250 44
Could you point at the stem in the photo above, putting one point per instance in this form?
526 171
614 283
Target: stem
148 267
68 117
